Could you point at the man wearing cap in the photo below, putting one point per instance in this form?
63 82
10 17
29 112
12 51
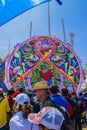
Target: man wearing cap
41 90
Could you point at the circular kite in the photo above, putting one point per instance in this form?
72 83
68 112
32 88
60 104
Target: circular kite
43 58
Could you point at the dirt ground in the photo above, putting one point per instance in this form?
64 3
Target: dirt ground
84 126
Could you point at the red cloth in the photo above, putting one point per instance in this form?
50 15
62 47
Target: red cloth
16 93
10 101
70 109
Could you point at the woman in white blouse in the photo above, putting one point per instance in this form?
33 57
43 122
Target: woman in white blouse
22 108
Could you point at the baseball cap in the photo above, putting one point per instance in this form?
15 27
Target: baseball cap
49 117
21 99
41 85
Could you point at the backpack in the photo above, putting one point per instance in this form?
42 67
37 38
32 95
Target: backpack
67 121
78 109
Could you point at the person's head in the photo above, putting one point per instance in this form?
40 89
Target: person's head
70 95
80 94
53 90
1 93
21 89
85 93
74 94
31 95
22 103
64 92
41 89
48 118
10 92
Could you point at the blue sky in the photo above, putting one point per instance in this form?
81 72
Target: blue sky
73 13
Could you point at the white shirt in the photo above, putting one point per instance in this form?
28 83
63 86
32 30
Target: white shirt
17 122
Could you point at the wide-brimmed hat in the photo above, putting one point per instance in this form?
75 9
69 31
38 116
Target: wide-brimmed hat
49 117
41 85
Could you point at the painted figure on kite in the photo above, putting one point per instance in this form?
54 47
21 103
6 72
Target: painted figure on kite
44 58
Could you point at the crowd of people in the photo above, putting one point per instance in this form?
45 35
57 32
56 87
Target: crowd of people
44 108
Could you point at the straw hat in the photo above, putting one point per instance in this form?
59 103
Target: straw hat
41 85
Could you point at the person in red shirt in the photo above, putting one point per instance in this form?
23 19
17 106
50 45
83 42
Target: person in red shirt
10 96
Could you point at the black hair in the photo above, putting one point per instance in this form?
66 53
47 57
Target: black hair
53 89
21 89
1 94
64 91
41 126
10 91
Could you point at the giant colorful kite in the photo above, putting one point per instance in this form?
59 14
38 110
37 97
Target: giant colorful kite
2 75
43 58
